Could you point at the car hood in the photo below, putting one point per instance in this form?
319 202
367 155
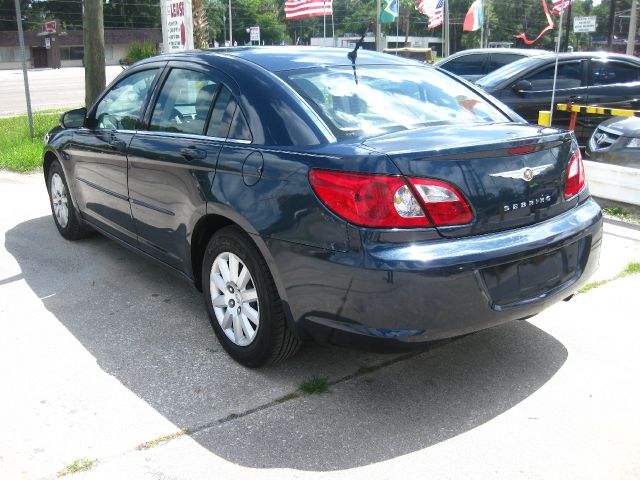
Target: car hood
628 126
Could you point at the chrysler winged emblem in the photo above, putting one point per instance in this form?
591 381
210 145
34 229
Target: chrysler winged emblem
526 173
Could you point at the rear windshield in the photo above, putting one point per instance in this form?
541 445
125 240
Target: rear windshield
389 98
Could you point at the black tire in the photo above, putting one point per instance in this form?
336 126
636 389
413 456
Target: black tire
74 228
273 339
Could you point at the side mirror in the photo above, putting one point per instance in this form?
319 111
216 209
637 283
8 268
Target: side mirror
73 118
522 86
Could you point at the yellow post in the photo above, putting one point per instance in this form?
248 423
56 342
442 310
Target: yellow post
544 118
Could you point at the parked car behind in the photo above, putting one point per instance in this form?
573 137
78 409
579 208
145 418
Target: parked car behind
475 63
603 79
616 141
381 203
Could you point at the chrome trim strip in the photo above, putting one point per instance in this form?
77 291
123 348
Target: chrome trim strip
102 189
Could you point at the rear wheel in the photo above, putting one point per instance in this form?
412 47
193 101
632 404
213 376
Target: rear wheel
64 213
242 301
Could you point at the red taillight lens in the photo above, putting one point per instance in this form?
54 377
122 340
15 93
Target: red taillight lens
387 201
445 205
368 200
575 175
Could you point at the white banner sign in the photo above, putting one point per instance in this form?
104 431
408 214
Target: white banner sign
254 34
177 25
584 24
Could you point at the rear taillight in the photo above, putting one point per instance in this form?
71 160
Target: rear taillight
388 201
575 175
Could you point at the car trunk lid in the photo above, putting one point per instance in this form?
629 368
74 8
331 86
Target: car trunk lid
512 175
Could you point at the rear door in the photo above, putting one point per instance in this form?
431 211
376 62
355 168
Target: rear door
172 162
613 84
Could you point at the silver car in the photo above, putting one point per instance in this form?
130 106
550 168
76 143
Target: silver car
616 141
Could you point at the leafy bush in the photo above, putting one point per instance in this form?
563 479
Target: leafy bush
140 50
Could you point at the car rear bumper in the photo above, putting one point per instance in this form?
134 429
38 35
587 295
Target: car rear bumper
398 295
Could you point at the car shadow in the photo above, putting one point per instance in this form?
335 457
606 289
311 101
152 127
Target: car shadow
150 330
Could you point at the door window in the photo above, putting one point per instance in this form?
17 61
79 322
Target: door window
184 102
569 76
466 65
121 108
501 59
607 73
222 114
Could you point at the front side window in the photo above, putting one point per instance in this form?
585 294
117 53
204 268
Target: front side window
501 59
569 76
389 99
122 107
607 73
184 102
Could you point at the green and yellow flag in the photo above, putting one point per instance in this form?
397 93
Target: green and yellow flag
389 11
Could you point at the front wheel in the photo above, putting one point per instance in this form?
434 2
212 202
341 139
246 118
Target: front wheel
242 301
64 213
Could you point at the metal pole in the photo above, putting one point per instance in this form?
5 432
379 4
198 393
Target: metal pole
565 45
555 72
612 19
397 27
633 28
378 28
324 20
230 26
446 28
24 67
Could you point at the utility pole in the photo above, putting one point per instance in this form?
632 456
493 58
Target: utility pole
93 33
567 29
633 28
612 20
378 28
24 67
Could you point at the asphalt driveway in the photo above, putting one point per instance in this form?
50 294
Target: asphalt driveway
107 356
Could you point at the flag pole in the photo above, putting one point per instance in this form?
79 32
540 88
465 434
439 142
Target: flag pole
333 27
446 28
482 27
324 19
555 72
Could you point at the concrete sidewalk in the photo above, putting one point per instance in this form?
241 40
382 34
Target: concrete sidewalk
103 354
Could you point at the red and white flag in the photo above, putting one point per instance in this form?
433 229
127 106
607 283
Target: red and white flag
433 9
294 9
560 6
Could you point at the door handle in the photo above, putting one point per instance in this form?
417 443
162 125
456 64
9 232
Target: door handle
193 153
116 144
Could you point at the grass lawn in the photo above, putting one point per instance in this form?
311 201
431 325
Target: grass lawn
17 151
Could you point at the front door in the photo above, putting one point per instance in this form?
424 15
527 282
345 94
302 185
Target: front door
172 163
39 55
99 154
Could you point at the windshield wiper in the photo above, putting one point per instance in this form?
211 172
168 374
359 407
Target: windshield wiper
354 53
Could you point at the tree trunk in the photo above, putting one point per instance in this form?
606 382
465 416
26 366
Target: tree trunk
93 33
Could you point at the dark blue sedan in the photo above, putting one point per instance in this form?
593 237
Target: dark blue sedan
376 202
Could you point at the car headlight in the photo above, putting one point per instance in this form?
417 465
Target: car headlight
633 143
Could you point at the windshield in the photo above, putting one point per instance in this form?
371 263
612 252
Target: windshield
498 76
389 98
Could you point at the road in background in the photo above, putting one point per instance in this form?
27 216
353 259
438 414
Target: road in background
50 88
103 355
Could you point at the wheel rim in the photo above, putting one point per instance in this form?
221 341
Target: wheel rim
59 200
234 299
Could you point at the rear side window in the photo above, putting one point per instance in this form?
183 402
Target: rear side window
607 73
569 76
121 108
466 65
498 60
184 102
222 114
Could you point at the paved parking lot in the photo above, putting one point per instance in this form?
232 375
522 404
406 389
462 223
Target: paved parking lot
103 355
50 88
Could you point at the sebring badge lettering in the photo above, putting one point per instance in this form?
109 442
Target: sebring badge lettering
531 203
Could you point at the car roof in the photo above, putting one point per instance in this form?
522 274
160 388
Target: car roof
517 51
583 55
279 58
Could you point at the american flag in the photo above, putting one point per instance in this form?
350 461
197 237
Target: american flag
434 9
560 6
294 9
